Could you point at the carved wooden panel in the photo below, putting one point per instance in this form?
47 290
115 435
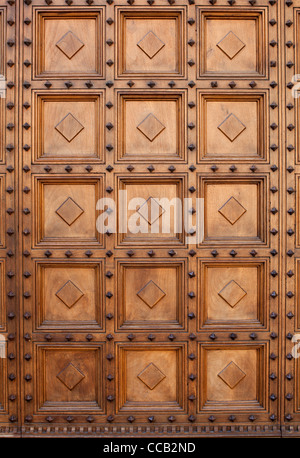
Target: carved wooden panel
155 194
150 126
151 378
151 42
234 377
69 44
70 128
234 43
66 210
70 378
157 299
233 294
132 332
69 295
233 210
232 127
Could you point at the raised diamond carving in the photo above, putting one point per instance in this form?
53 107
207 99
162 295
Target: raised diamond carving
151 294
151 127
69 211
232 293
69 127
70 376
232 210
231 45
151 376
69 294
231 127
232 375
152 207
150 44
69 44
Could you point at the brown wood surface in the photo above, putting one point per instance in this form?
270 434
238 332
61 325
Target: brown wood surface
134 334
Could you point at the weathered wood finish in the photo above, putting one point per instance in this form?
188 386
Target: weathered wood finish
133 334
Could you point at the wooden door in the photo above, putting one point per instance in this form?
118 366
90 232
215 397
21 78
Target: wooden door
143 333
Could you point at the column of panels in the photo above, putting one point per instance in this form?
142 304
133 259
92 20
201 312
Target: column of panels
238 265
64 267
9 336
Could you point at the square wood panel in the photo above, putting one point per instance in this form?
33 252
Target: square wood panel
234 210
69 127
151 295
151 126
69 295
65 209
233 377
69 44
233 44
71 378
233 293
151 42
149 199
151 377
232 127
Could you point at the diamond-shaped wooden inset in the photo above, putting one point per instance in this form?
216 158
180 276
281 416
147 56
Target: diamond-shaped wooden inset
232 127
69 294
150 44
70 376
69 127
232 210
151 127
232 293
231 45
69 44
232 375
153 208
69 211
151 376
151 294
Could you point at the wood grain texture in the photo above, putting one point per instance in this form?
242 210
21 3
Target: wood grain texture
133 334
